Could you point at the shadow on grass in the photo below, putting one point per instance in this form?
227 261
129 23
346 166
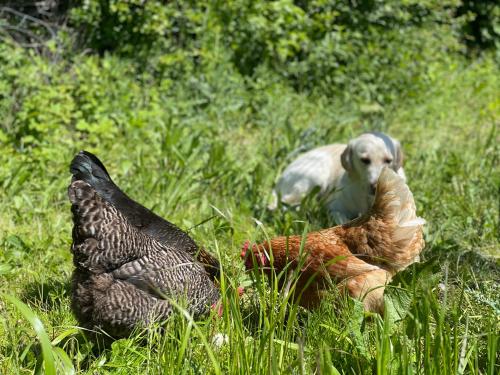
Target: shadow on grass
47 295
464 263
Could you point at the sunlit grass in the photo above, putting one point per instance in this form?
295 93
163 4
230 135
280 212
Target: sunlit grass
210 170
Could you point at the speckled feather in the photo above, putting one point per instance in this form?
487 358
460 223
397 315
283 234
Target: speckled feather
87 167
124 277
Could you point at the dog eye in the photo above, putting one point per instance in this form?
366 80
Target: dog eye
388 161
365 160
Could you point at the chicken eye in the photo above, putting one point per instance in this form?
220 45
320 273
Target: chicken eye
388 161
365 161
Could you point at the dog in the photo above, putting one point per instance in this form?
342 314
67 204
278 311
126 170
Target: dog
346 175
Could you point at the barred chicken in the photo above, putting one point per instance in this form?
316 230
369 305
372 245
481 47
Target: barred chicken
361 256
128 270
87 167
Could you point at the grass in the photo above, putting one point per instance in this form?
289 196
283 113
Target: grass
207 160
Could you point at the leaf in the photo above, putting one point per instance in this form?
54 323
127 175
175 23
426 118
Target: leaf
290 345
399 294
397 303
48 355
65 366
65 334
426 275
356 327
5 268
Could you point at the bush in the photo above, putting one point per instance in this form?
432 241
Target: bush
375 50
135 26
368 52
482 29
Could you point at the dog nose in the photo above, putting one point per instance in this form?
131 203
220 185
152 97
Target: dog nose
373 188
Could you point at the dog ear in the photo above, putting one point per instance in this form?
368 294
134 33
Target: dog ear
346 158
397 163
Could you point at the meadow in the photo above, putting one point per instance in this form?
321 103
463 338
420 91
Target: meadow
201 142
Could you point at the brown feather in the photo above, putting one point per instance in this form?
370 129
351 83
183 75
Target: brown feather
362 255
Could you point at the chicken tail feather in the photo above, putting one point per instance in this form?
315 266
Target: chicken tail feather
87 167
395 207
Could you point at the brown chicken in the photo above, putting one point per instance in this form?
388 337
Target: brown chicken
361 255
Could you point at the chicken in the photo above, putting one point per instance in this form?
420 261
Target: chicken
361 255
127 275
87 167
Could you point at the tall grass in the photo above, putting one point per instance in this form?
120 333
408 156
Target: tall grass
210 168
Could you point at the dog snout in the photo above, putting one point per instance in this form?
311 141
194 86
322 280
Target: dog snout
373 187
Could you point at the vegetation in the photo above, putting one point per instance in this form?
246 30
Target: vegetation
195 108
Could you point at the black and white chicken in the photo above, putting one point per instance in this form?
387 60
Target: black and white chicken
130 264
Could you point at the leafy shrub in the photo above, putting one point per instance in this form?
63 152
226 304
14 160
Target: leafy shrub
375 50
369 52
482 29
134 26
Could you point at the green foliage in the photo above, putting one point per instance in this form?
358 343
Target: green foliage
136 26
378 49
195 117
482 29
368 51
375 49
52 355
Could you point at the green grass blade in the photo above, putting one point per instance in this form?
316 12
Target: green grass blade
66 366
47 352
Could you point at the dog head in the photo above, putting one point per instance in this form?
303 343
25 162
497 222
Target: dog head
366 155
